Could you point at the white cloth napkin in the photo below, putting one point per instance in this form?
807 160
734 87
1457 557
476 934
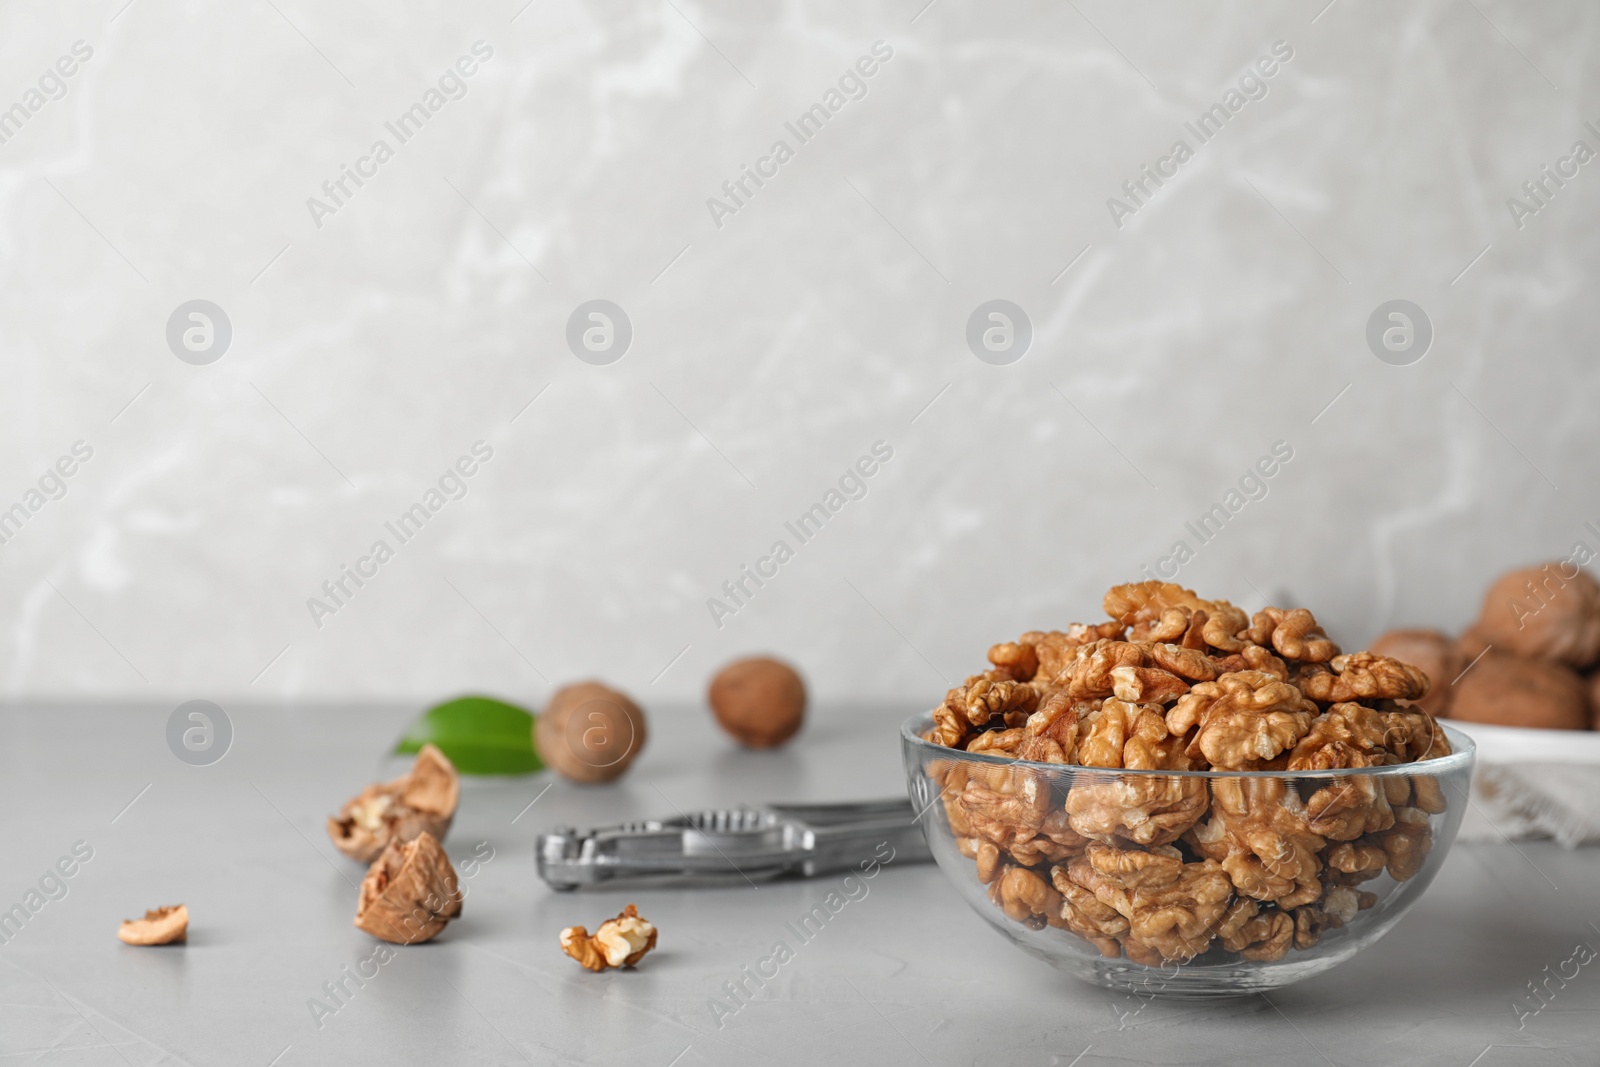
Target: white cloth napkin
1533 783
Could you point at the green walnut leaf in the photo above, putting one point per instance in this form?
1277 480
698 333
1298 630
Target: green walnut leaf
481 735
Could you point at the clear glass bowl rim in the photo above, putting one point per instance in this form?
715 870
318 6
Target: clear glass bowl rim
1464 751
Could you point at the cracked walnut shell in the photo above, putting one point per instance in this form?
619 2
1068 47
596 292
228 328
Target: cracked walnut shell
410 893
160 926
620 942
420 801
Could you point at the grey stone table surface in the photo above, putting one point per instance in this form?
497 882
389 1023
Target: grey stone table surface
906 974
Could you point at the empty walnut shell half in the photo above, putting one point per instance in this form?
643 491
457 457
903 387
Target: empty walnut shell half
160 926
423 801
620 942
410 893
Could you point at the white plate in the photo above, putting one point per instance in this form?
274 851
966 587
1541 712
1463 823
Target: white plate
1516 744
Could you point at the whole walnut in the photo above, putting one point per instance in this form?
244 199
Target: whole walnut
1550 613
1509 690
589 732
761 702
1434 654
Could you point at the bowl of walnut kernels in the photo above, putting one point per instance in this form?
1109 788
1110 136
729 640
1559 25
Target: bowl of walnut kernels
1186 799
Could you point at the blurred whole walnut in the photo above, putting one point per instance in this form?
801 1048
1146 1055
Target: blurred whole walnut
422 801
1434 654
589 732
1509 690
1549 613
761 702
410 893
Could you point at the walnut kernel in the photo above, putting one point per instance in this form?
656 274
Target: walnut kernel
620 942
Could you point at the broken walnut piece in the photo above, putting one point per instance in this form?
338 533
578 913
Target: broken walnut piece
160 926
410 892
1346 808
1435 654
1172 907
1090 675
1264 936
998 742
1337 907
1027 898
1161 611
1020 662
1295 634
620 942
1353 862
1142 808
1147 685
1407 844
1056 651
1146 809
1152 607
420 801
1259 831
1243 719
1010 807
1051 733
1346 735
1362 676
950 727
982 698
1083 913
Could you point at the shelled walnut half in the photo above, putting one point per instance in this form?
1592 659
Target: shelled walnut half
620 942
422 801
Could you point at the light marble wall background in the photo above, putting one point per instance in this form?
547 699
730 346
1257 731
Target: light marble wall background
772 351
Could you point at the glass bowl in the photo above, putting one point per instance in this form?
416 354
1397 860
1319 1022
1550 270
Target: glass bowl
1130 908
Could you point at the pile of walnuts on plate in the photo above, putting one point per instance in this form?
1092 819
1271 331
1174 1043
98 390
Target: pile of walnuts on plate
1532 658
1165 868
